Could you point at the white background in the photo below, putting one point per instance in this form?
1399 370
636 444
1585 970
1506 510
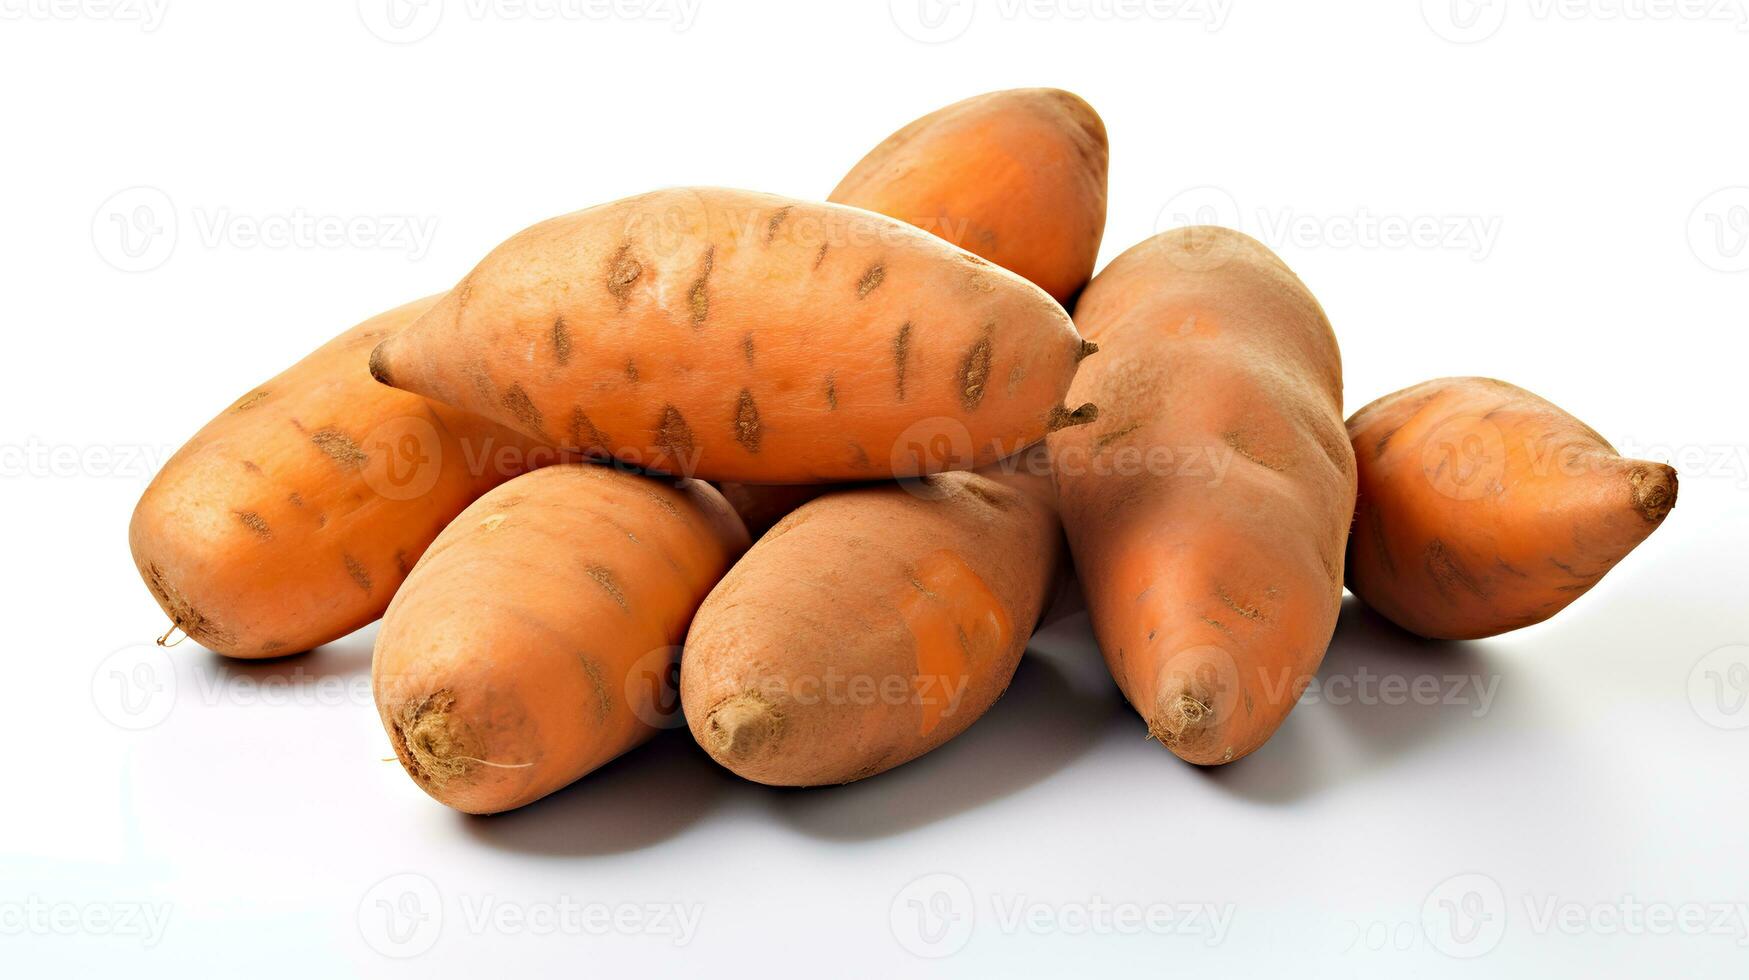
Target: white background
1593 159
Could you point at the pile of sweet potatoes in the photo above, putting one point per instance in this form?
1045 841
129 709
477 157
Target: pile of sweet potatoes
799 476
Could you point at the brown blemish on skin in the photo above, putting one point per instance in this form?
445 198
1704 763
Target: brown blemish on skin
673 435
603 697
1446 572
871 279
984 492
273 646
249 401
604 578
820 256
747 429
622 271
254 522
340 448
561 340
522 407
356 569
1236 442
584 436
698 297
901 352
1114 435
776 220
401 564
831 391
975 371
1249 612
1217 624
296 499
250 466
859 457
747 349
631 370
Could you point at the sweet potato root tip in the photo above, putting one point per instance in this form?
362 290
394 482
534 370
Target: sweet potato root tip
1063 418
743 727
1654 491
379 364
433 750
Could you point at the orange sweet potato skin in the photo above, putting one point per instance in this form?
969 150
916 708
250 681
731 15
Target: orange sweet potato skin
1016 176
870 626
1207 508
536 639
1484 508
289 520
739 336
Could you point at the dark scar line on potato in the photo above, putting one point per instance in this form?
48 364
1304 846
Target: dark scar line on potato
901 351
585 437
523 407
870 280
673 435
561 340
747 428
254 522
622 271
831 391
604 578
339 447
356 569
975 370
777 218
820 256
698 297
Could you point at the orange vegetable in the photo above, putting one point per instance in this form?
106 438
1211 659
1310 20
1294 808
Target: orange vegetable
1484 508
289 520
1016 176
1208 508
870 626
731 335
537 639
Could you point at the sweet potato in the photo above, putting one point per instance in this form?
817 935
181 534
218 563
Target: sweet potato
1484 508
289 520
1016 176
537 638
732 335
870 626
1207 510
